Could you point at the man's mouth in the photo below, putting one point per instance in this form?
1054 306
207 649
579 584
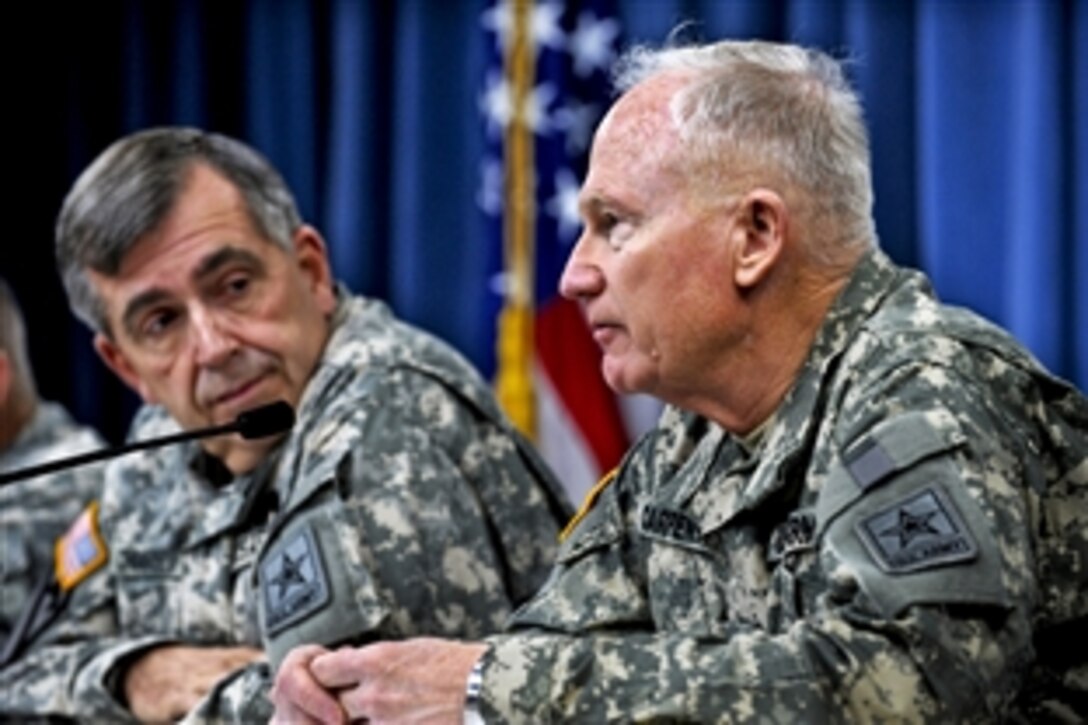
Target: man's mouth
238 394
604 332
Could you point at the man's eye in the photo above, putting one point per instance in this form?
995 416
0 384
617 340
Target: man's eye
157 324
615 229
237 285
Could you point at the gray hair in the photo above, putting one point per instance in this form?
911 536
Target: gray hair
132 186
779 106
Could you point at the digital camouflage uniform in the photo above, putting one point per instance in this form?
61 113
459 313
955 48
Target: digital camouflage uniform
34 512
402 504
907 541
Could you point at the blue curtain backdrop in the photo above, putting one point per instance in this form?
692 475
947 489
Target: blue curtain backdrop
978 113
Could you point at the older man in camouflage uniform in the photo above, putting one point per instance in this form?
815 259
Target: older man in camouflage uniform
34 511
861 505
401 503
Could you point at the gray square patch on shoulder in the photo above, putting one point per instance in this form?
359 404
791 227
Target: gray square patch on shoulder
293 581
920 531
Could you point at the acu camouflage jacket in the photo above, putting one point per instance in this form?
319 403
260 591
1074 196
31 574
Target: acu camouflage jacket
402 503
907 542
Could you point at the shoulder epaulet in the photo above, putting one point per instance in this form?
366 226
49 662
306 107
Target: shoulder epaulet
80 551
587 502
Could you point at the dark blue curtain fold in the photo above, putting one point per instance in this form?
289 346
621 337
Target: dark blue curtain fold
978 113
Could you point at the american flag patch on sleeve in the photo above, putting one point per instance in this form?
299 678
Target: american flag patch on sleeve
81 551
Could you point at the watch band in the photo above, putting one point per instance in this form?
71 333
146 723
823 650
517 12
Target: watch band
473 685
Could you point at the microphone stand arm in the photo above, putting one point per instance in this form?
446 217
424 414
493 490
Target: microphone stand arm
101 454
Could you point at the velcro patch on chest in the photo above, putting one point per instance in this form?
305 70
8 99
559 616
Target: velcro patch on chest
294 583
80 551
667 523
920 531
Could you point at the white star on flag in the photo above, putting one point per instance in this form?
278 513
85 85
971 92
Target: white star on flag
547 33
591 43
489 197
564 206
535 112
544 25
578 120
496 103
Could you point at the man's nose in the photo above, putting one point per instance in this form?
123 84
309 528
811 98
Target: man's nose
212 344
582 277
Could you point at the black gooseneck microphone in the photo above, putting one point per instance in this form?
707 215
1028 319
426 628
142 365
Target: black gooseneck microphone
260 422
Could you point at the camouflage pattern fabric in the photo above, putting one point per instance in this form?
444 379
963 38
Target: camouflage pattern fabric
907 542
34 512
425 513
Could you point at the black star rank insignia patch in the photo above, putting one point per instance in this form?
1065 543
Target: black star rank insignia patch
293 581
921 531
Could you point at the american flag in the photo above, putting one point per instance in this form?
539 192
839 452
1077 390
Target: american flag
80 551
546 87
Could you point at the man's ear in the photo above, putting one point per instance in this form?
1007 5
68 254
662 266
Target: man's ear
116 361
313 259
762 226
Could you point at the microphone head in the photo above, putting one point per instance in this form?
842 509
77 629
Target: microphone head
266 420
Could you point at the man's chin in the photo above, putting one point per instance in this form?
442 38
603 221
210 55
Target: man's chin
630 374
617 377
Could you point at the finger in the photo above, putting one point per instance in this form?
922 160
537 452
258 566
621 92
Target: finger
301 694
296 689
346 667
353 703
288 715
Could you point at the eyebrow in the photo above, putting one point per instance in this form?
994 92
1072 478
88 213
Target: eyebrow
592 203
208 266
595 204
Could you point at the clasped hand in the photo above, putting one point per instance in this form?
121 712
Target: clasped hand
416 681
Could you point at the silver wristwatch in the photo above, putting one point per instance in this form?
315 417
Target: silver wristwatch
473 685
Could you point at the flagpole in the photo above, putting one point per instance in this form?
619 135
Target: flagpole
514 378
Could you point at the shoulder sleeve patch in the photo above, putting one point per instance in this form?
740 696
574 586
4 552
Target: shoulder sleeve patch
313 586
293 581
80 551
897 513
917 532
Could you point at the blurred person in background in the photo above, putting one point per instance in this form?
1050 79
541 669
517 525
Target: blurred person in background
33 511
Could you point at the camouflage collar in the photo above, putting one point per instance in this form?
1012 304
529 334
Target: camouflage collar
234 501
868 286
870 283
